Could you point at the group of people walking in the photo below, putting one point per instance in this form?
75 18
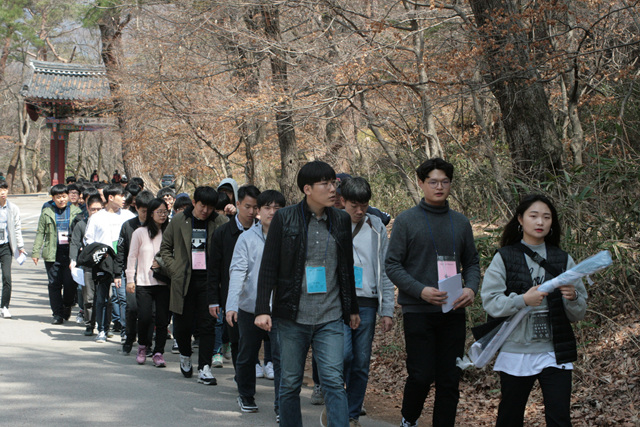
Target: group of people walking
234 267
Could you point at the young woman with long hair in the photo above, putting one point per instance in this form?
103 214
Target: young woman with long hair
145 244
542 346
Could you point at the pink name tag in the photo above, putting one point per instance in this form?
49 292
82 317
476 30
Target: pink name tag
446 267
198 261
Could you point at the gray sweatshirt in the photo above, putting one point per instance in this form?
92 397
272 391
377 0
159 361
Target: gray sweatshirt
497 304
411 261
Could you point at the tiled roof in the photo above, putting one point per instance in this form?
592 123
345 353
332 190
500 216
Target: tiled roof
68 82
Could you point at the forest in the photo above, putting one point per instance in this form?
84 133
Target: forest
521 96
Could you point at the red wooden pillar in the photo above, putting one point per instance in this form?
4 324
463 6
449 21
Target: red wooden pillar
58 154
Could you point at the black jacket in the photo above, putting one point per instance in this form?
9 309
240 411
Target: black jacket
220 255
283 262
518 281
100 258
124 241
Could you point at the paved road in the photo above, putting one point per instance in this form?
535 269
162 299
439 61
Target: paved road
52 375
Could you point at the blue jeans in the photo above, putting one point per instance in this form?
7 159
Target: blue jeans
217 345
357 355
119 304
327 341
103 314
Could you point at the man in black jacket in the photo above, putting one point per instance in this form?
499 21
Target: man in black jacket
130 319
308 265
222 245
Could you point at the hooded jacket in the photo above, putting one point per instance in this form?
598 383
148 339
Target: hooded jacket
14 227
175 251
232 182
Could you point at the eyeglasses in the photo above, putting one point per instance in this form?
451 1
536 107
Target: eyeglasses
162 212
332 183
446 183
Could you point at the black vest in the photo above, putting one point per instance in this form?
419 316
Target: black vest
519 281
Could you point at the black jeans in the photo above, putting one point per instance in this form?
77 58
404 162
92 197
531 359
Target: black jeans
62 288
556 394
5 261
195 307
251 338
433 342
145 297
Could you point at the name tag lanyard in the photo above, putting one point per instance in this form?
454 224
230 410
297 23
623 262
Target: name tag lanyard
433 240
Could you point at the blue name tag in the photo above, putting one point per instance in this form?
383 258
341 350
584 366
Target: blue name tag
358 272
316 280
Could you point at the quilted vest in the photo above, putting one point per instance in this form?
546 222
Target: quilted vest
519 281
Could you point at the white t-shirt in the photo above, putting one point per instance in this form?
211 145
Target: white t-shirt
104 227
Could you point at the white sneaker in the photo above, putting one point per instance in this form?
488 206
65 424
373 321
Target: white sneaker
259 371
80 317
102 337
206 377
5 313
268 371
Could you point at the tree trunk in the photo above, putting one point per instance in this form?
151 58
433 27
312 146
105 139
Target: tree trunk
25 127
36 171
515 82
13 167
283 109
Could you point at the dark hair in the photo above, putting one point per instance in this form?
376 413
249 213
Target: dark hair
268 197
181 203
149 222
132 188
166 191
89 191
144 198
128 198
223 200
73 187
112 190
4 185
58 189
71 179
512 233
355 190
427 166
248 190
93 199
206 195
101 186
137 180
313 172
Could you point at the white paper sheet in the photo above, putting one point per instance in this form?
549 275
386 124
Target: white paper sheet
78 275
453 287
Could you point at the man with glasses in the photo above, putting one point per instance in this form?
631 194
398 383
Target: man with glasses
308 265
431 242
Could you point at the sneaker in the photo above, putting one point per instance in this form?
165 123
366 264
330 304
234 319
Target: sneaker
317 398
102 337
141 357
123 338
149 352
363 411
117 326
206 377
259 371
195 343
174 347
185 366
158 360
323 417
88 331
80 317
4 312
354 423
226 351
268 371
217 361
247 404
57 320
406 423
126 348
109 333
66 313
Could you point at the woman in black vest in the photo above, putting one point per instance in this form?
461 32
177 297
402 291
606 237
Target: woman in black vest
542 346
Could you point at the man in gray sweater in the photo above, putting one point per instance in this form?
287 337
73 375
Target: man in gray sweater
431 242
